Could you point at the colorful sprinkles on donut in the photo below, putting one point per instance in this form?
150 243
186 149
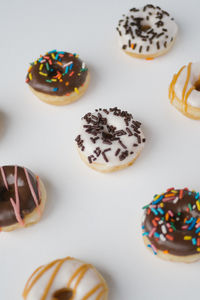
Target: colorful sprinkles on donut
110 139
171 225
57 73
146 32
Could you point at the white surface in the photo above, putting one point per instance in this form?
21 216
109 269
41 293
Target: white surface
92 216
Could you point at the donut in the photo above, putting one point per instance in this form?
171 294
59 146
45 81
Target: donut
147 32
22 198
171 225
58 77
109 139
66 279
184 90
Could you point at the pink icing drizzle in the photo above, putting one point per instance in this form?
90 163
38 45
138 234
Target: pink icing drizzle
32 191
16 205
4 178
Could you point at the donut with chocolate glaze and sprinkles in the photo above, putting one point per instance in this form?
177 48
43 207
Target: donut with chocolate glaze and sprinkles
58 77
109 139
66 279
171 225
147 32
22 198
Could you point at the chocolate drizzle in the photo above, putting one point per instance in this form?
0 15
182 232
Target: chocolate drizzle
9 193
57 73
171 222
107 136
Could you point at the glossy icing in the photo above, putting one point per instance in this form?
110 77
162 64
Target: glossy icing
63 276
185 86
19 194
172 222
148 30
57 73
110 136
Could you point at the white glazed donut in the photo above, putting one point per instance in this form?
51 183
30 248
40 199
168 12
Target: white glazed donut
110 139
147 32
66 279
184 90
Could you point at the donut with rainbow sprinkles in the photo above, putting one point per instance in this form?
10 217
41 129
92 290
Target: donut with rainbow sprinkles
171 225
58 77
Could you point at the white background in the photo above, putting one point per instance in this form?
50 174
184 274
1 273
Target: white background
92 216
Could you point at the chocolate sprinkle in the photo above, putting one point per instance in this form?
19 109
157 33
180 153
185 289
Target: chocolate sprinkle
97 125
139 27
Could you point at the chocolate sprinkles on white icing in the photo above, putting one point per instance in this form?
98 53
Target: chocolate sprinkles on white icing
147 30
110 136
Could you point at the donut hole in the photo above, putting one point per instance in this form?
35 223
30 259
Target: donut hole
63 294
53 72
145 27
178 220
55 68
197 85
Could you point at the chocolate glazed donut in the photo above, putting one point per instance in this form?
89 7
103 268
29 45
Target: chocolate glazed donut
57 73
171 225
21 193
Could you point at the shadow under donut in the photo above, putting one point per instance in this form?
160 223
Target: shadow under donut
3 121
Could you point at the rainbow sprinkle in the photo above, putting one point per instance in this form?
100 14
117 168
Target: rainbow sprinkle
170 213
54 71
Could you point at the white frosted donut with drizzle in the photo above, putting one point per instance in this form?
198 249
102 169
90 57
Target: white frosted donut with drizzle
147 32
184 90
66 279
110 139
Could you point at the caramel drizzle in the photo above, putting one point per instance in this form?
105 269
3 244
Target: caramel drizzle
90 293
101 294
184 94
79 274
28 281
82 270
16 203
172 85
52 278
187 95
28 288
185 86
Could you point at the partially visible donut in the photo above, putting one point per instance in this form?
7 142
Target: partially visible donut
171 225
184 90
58 77
66 279
147 32
22 198
109 139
